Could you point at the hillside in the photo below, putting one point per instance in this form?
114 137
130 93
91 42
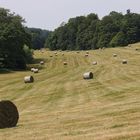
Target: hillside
61 105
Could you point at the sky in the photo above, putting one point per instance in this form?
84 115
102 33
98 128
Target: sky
49 14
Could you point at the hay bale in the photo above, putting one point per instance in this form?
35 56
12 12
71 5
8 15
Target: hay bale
55 52
65 63
8 114
36 70
124 61
51 56
32 69
114 55
62 54
87 52
88 75
28 79
77 52
86 55
94 63
42 62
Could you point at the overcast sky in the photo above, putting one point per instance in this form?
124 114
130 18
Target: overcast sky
49 14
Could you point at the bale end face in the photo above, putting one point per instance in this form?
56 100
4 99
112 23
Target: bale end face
8 114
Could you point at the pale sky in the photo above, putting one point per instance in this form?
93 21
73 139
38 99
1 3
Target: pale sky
49 14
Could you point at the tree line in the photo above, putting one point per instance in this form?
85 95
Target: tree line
80 33
89 32
17 41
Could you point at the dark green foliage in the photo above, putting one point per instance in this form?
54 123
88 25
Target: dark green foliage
38 37
28 54
82 33
13 36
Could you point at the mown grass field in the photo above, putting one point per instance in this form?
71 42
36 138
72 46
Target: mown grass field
60 105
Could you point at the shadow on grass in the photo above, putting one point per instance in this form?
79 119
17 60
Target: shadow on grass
35 64
5 71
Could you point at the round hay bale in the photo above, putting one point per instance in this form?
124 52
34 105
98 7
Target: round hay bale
86 55
32 69
65 63
51 56
8 114
124 61
114 55
87 52
62 54
36 70
94 63
55 52
28 79
88 75
77 52
42 62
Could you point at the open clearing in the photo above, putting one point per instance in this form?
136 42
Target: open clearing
60 105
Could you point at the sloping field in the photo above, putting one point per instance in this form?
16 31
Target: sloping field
60 105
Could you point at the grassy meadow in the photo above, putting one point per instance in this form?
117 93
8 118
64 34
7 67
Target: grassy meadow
60 105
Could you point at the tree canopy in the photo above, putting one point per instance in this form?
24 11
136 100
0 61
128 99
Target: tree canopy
89 32
13 37
38 37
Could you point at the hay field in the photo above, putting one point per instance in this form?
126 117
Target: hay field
60 105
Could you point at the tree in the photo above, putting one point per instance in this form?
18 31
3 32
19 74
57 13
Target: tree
38 37
88 32
13 36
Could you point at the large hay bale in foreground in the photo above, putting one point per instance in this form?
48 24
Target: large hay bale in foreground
28 79
88 75
8 114
124 61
